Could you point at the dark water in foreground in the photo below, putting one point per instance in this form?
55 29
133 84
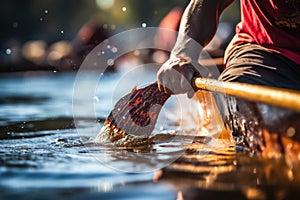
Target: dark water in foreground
42 156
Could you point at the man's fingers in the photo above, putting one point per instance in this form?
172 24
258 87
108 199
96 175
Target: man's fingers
161 79
176 75
159 82
163 82
169 84
190 94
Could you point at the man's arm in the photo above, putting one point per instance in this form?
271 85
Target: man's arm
198 23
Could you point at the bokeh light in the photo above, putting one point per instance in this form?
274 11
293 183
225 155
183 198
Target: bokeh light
105 4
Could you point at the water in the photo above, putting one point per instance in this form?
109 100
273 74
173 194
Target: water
42 156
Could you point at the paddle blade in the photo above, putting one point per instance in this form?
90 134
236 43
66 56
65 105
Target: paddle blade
136 113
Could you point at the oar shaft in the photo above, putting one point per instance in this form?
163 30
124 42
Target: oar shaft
284 98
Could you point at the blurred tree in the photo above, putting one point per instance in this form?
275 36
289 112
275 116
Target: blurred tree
53 20
50 21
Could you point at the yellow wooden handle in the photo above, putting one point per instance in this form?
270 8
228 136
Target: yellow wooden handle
289 99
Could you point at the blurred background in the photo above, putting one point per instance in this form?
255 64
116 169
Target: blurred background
57 35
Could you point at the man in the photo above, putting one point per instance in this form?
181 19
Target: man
264 51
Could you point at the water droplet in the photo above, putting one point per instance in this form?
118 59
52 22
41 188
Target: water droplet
144 25
124 117
108 46
62 32
8 51
96 98
41 19
101 74
110 62
102 52
136 53
46 11
114 49
124 9
291 131
119 109
54 71
105 26
113 27
15 25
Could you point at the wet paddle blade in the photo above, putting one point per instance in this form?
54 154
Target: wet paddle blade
136 113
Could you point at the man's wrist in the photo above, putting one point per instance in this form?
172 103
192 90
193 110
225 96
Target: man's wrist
187 47
182 59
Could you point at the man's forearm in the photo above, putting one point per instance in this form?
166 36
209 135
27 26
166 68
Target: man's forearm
198 26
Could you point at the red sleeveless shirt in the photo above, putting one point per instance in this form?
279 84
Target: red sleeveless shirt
274 24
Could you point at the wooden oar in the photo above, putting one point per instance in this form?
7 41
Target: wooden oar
289 99
135 113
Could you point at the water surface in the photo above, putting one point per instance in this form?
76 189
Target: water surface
42 156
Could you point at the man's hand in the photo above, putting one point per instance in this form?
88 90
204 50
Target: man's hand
176 75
